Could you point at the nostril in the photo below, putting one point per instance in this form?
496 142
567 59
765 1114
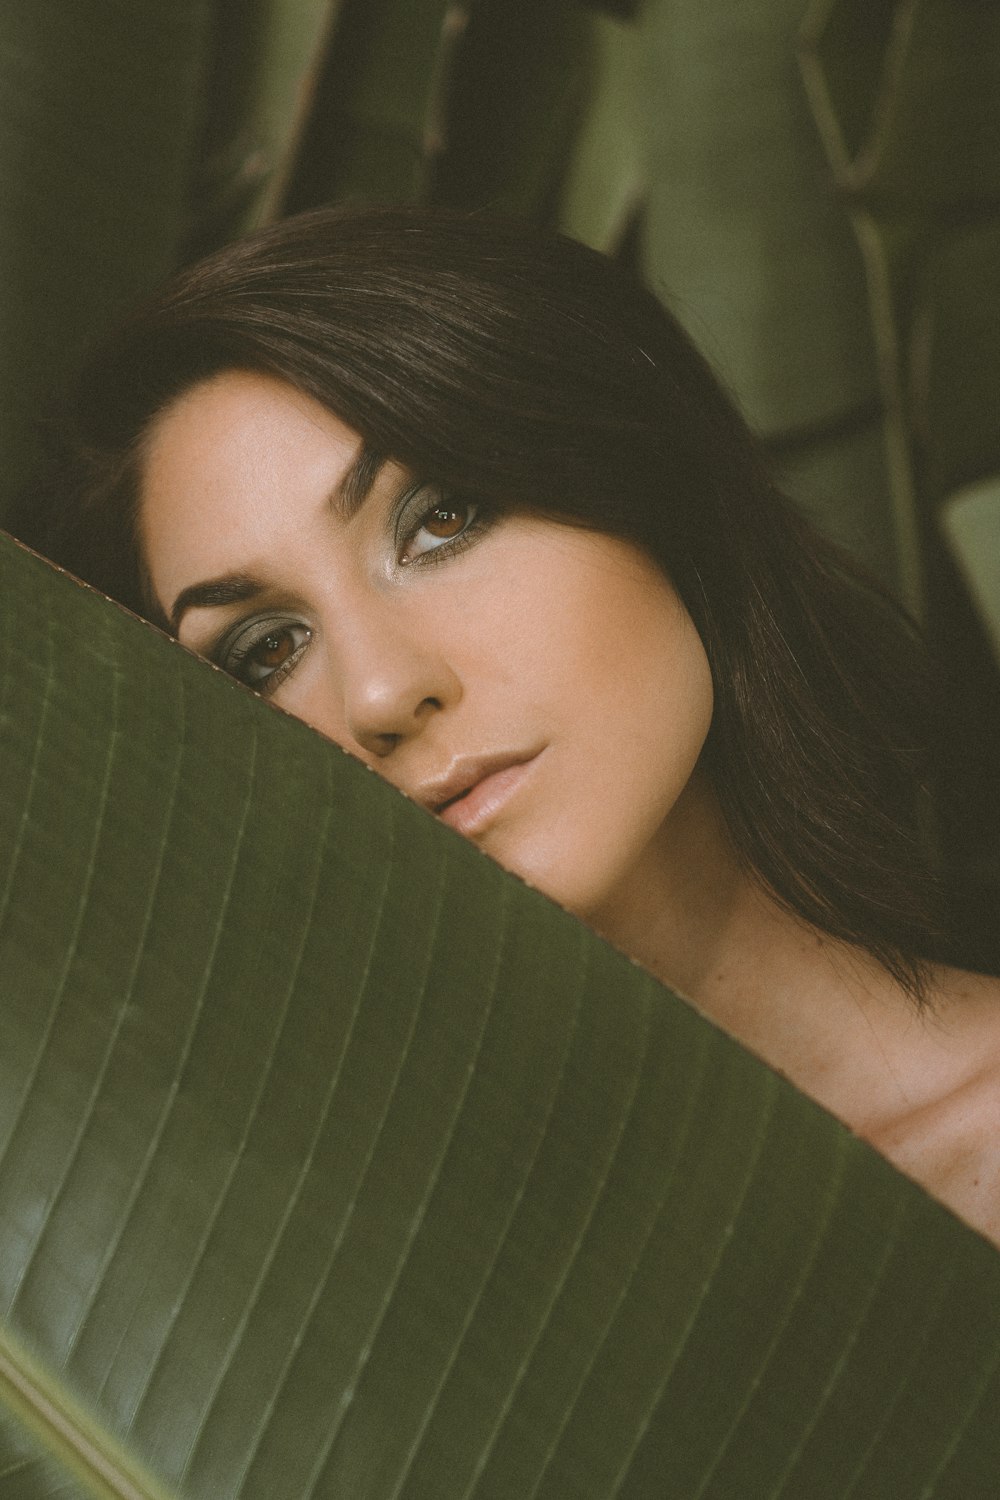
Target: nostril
383 744
385 698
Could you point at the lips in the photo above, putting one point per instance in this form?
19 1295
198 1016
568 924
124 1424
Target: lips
476 791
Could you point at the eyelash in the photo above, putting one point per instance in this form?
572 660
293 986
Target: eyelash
236 646
412 514
233 651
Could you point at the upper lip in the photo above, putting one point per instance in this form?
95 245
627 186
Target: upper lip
465 773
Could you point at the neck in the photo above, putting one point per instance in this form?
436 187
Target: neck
818 1010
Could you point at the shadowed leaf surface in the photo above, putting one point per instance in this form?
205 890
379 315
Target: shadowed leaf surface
336 1162
741 227
99 104
971 520
902 92
519 88
259 86
376 123
605 177
746 240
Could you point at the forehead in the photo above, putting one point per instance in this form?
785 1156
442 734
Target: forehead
239 424
225 462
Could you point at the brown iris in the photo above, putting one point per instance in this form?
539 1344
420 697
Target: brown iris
273 649
445 521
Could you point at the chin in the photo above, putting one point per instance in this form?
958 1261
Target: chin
572 879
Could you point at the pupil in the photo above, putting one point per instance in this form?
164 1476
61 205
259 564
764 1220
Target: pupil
274 648
444 521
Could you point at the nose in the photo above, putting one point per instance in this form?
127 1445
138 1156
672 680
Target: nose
393 681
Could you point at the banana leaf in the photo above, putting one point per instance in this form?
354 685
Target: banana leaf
740 227
971 521
902 92
520 81
337 1162
258 90
376 124
745 239
839 478
99 110
605 179
905 90
956 361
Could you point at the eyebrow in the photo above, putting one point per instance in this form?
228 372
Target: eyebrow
348 496
357 483
215 592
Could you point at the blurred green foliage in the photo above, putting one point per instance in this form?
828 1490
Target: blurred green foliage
813 185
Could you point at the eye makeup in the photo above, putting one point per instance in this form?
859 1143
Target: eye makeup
262 651
423 525
429 524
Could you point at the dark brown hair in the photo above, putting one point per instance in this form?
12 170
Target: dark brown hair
527 371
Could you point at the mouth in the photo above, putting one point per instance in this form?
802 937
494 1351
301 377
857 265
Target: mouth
474 794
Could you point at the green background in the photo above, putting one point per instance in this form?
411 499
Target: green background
333 1161
813 187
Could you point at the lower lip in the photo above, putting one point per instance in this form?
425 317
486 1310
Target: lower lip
473 813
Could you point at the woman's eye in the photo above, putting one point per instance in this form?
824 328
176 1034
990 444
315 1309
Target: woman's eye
436 526
263 652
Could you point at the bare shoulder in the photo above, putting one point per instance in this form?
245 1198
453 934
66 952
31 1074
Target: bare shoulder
950 1141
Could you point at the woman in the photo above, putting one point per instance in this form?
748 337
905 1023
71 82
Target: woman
467 500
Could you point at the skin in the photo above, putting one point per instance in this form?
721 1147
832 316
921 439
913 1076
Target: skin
542 689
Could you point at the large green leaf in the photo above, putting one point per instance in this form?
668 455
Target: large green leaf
520 81
956 359
257 94
99 108
605 179
903 93
50 1447
971 521
740 227
745 239
336 1162
375 127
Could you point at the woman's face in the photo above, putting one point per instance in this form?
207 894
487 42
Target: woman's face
539 687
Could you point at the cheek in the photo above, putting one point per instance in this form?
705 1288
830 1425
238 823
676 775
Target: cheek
663 710
686 693
586 630
629 656
620 684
